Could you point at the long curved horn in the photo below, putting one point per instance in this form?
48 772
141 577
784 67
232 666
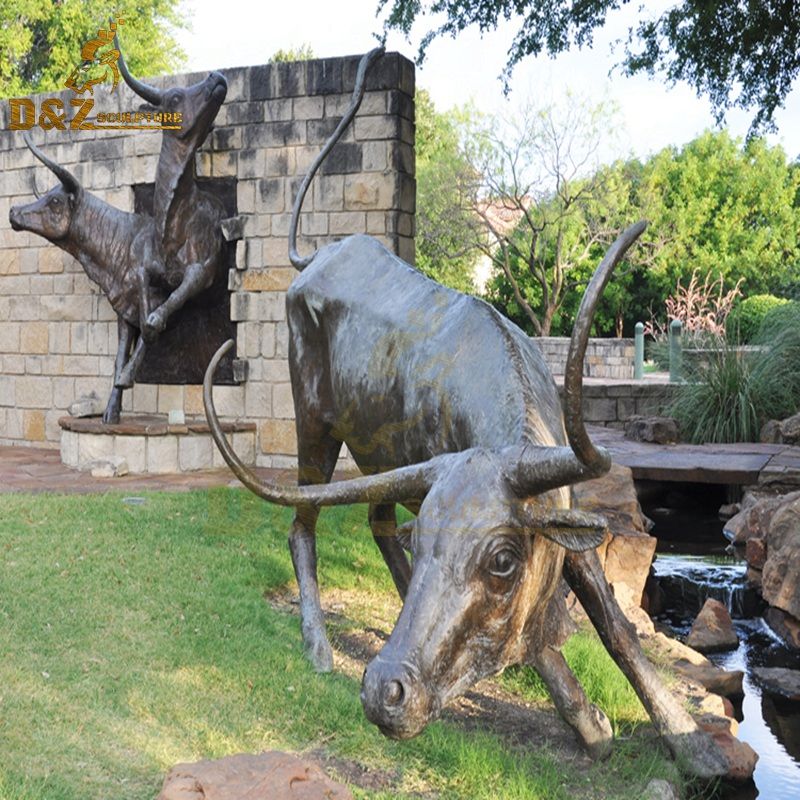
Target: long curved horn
597 460
298 261
68 180
534 469
146 92
36 193
404 483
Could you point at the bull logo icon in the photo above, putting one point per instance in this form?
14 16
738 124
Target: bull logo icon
84 77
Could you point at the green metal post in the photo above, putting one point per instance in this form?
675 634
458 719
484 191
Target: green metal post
638 352
675 352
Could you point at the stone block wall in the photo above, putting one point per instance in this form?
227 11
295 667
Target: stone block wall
610 404
605 358
58 332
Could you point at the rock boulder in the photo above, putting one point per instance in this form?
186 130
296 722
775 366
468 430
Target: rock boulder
660 430
712 630
780 577
269 776
628 550
778 681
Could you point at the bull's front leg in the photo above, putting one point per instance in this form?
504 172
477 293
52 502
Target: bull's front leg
680 732
383 523
125 335
198 276
590 724
127 375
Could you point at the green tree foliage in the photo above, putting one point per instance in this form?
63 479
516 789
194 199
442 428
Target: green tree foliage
723 208
445 196
743 54
302 53
41 40
547 208
746 319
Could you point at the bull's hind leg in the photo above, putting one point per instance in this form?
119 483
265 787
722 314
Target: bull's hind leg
383 523
590 724
686 741
316 461
126 334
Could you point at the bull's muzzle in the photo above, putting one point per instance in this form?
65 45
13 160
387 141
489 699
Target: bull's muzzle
394 699
15 218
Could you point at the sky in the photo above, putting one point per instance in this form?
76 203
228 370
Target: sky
651 115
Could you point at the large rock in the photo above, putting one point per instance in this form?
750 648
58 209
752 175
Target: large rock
628 550
780 681
268 776
712 631
755 518
659 430
780 576
87 405
786 431
785 625
740 756
727 683
790 430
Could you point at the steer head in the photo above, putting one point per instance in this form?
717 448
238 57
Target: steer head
488 544
198 105
50 215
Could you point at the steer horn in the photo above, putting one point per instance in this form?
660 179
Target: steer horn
146 92
404 483
536 469
68 180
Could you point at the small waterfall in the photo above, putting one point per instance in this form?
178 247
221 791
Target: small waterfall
688 581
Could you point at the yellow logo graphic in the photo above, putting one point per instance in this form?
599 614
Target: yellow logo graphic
98 65
80 79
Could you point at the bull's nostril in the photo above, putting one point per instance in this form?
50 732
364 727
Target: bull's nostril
393 693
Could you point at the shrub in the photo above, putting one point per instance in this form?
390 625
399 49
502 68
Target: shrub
735 391
744 322
779 317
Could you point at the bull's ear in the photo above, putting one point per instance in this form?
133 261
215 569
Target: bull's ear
575 530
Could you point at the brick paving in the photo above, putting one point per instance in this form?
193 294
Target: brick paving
36 469
773 466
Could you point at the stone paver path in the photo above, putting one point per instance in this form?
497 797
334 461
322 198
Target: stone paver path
35 469
773 466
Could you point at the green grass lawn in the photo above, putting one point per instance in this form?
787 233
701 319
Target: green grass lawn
136 636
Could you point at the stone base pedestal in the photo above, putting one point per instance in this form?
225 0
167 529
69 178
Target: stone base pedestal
148 444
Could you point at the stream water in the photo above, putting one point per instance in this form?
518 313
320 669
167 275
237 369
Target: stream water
693 564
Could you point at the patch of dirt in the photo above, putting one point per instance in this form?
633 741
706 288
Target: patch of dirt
352 772
487 707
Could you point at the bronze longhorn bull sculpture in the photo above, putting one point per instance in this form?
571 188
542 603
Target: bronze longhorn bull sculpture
110 244
187 219
449 409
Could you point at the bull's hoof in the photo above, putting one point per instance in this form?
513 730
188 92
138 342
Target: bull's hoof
319 653
111 416
154 324
597 735
698 754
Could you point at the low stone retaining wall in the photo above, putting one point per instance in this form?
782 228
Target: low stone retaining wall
605 358
148 444
611 404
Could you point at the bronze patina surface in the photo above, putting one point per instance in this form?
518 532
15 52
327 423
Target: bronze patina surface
449 409
148 266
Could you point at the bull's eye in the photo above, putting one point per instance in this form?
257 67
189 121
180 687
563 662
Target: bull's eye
55 201
174 100
504 563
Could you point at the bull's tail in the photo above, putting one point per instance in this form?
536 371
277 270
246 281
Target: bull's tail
298 261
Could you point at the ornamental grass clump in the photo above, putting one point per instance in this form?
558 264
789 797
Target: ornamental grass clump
734 391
